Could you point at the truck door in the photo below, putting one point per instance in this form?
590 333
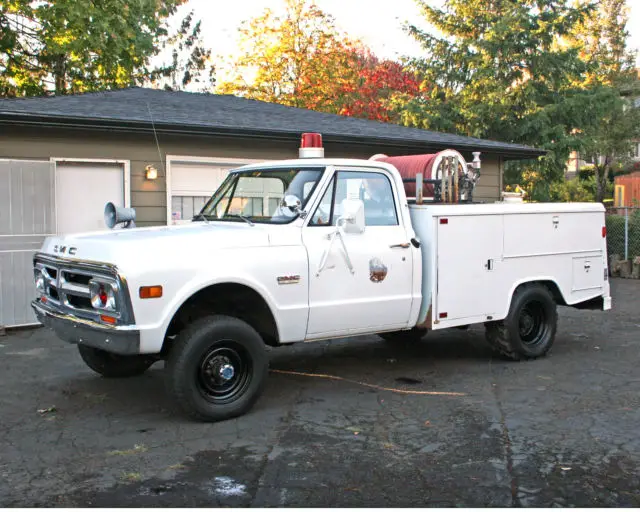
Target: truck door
376 293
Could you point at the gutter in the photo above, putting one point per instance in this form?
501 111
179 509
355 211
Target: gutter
102 125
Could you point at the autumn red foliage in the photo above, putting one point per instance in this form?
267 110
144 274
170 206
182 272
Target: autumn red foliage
377 82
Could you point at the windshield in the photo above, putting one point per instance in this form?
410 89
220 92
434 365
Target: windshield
256 195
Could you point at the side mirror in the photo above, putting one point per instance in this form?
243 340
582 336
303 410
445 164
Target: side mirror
352 218
291 204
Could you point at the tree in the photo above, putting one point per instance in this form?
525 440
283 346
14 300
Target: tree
602 40
69 46
18 73
501 70
377 86
298 59
189 59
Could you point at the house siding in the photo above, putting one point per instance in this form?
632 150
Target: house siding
149 197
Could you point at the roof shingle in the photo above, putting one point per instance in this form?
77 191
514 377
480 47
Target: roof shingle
215 113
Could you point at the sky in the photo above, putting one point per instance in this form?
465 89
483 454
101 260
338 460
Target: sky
378 23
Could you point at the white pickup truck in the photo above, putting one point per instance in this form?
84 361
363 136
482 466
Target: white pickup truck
315 248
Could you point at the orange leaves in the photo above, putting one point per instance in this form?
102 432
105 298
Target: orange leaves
299 58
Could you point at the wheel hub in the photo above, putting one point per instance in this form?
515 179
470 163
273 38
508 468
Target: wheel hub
224 373
526 323
532 323
227 372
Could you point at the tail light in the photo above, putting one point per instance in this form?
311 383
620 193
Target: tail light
604 231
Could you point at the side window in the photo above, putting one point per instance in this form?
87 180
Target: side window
374 189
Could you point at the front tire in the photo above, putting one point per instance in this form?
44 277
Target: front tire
217 368
530 328
114 365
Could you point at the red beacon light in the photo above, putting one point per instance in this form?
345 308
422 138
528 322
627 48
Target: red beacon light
311 146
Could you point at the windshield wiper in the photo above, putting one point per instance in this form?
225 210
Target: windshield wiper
248 221
200 216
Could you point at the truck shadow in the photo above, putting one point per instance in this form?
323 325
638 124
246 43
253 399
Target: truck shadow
367 350
142 401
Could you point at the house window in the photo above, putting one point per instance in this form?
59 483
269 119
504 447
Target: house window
185 207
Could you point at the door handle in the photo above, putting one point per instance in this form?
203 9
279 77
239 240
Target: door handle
404 245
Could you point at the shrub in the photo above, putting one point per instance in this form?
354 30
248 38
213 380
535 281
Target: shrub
615 234
571 191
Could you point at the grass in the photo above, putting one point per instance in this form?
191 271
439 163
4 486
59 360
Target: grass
138 448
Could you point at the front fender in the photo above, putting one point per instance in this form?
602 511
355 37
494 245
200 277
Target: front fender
259 271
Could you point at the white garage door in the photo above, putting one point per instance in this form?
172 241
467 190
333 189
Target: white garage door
82 191
191 182
27 216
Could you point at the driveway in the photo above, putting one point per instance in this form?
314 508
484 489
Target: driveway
439 423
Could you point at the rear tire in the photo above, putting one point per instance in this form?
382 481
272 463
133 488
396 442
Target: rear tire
413 335
217 368
114 365
530 328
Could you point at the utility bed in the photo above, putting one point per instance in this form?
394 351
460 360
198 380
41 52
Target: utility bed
475 255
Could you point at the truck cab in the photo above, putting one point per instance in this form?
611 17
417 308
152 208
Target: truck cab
308 249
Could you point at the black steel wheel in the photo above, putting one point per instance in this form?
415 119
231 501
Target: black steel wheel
114 366
225 372
217 368
530 328
532 323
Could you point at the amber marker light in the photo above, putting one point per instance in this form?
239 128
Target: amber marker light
150 292
108 319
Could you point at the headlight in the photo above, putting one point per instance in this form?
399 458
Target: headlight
102 296
39 279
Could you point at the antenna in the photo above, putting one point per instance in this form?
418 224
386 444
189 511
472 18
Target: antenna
157 143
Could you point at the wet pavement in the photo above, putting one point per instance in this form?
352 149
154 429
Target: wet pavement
559 431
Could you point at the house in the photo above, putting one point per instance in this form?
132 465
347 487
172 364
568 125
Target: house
627 190
163 153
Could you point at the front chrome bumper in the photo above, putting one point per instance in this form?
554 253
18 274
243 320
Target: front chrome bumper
71 329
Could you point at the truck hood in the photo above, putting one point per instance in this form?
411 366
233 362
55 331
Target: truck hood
170 243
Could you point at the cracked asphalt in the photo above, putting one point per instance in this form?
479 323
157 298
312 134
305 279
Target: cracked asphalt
558 431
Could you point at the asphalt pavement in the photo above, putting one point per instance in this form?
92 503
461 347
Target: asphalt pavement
440 423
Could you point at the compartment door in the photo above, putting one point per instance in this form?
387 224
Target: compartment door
468 265
588 273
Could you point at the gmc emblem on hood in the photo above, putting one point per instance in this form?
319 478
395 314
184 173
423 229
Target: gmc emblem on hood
61 249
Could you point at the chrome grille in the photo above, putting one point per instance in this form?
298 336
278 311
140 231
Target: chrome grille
67 287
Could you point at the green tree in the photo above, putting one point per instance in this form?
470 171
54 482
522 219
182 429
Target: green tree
65 46
189 60
19 73
501 69
601 39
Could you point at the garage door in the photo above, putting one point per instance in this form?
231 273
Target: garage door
27 216
38 199
192 184
82 191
